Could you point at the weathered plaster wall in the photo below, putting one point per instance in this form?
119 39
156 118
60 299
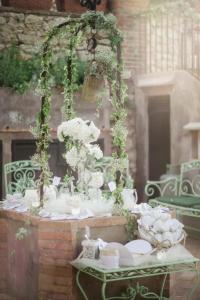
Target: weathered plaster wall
184 92
19 111
185 108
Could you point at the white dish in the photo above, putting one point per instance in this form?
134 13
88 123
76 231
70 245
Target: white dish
139 247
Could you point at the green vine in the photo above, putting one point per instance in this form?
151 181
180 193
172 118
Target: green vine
131 226
70 69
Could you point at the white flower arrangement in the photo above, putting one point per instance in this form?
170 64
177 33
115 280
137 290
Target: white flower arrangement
95 151
78 129
83 155
76 156
84 132
93 179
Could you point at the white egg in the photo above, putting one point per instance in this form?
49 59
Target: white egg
158 237
159 226
156 214
176 235
175 225
167 237
147 220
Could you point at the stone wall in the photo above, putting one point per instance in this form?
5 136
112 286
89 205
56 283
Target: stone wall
26 30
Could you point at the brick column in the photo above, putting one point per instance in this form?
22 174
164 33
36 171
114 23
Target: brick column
133 59
132 31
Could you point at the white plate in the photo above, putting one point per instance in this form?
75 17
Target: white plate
139 247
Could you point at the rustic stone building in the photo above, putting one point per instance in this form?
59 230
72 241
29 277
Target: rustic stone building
162 72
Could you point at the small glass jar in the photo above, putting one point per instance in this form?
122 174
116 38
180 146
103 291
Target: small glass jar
90 249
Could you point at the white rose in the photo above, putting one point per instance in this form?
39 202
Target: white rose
94 179
92 133
95 151
72 157
95 132
60 134
83 133
82 154
78 129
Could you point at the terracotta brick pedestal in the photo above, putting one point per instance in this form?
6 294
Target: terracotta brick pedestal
37 267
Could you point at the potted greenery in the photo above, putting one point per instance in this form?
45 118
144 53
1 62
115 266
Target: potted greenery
29 4
73 6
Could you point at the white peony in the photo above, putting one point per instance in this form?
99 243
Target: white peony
95 151
94 133
93 179
78 129
75 156
72 157
60 131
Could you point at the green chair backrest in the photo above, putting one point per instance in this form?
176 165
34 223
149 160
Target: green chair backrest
190 179
19 175
106 165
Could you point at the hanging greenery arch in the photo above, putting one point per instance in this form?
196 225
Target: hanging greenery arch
85 30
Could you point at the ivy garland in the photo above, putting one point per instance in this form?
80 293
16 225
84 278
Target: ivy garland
77 31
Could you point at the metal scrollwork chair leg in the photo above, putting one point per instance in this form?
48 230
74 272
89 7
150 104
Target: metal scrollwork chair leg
80 286
162 288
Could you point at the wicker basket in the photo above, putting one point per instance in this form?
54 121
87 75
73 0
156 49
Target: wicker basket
29 4
92 88
149 236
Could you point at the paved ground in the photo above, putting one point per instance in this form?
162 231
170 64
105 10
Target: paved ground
181 283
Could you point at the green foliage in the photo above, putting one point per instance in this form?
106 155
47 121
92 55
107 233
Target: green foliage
131 226
17 73
21 75
58 74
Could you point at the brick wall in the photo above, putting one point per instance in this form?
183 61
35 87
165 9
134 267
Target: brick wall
125 13
39 265
3 261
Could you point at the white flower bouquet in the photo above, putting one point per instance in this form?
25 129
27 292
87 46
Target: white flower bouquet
78 129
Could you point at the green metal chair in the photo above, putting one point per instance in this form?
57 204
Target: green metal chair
19 175
181 193
108 164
